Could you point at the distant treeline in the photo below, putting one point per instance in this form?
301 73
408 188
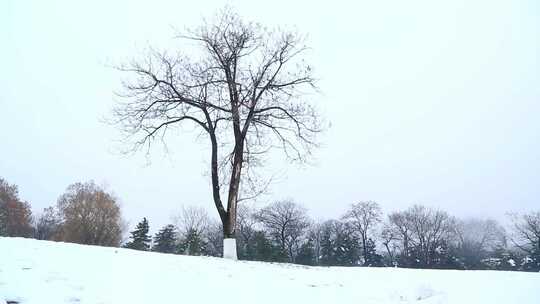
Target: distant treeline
418 237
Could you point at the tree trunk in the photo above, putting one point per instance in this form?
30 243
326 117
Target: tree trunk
389 253
364 249
229 238
229 225
229 249
229 231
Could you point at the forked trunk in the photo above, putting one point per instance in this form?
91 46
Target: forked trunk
229 225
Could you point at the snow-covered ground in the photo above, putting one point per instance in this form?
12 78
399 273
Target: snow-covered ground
40 272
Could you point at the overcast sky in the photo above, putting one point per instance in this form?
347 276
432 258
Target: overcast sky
431 102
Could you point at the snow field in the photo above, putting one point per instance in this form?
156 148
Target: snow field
42 272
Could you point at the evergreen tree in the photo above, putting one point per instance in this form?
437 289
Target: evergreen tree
502 259
193 243
469 257
327 246
347 250
246 250
264 249
508 261
372 258
140 240
532 262
246 246
306 254
339 246
165 240
411 258
443 256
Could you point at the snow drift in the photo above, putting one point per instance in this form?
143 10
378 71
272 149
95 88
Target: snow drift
41 272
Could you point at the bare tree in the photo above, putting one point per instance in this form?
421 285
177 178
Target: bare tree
398 230
363 216
246 223
192 218
477 238
48 225
421 229
287 222
526 233
315 232
214 236
389 237
90 215
244 92
480 234
193 224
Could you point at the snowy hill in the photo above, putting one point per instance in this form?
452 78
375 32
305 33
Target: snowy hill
40 272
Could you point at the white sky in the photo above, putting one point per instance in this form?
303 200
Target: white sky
432 102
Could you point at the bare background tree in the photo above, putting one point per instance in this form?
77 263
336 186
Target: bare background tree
192 218
48 225
420 231
364 216
526 236
476 239
246 227
244 92
315 234
287 222
390 239
214 236
193 225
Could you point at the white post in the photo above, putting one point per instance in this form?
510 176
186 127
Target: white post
229 249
